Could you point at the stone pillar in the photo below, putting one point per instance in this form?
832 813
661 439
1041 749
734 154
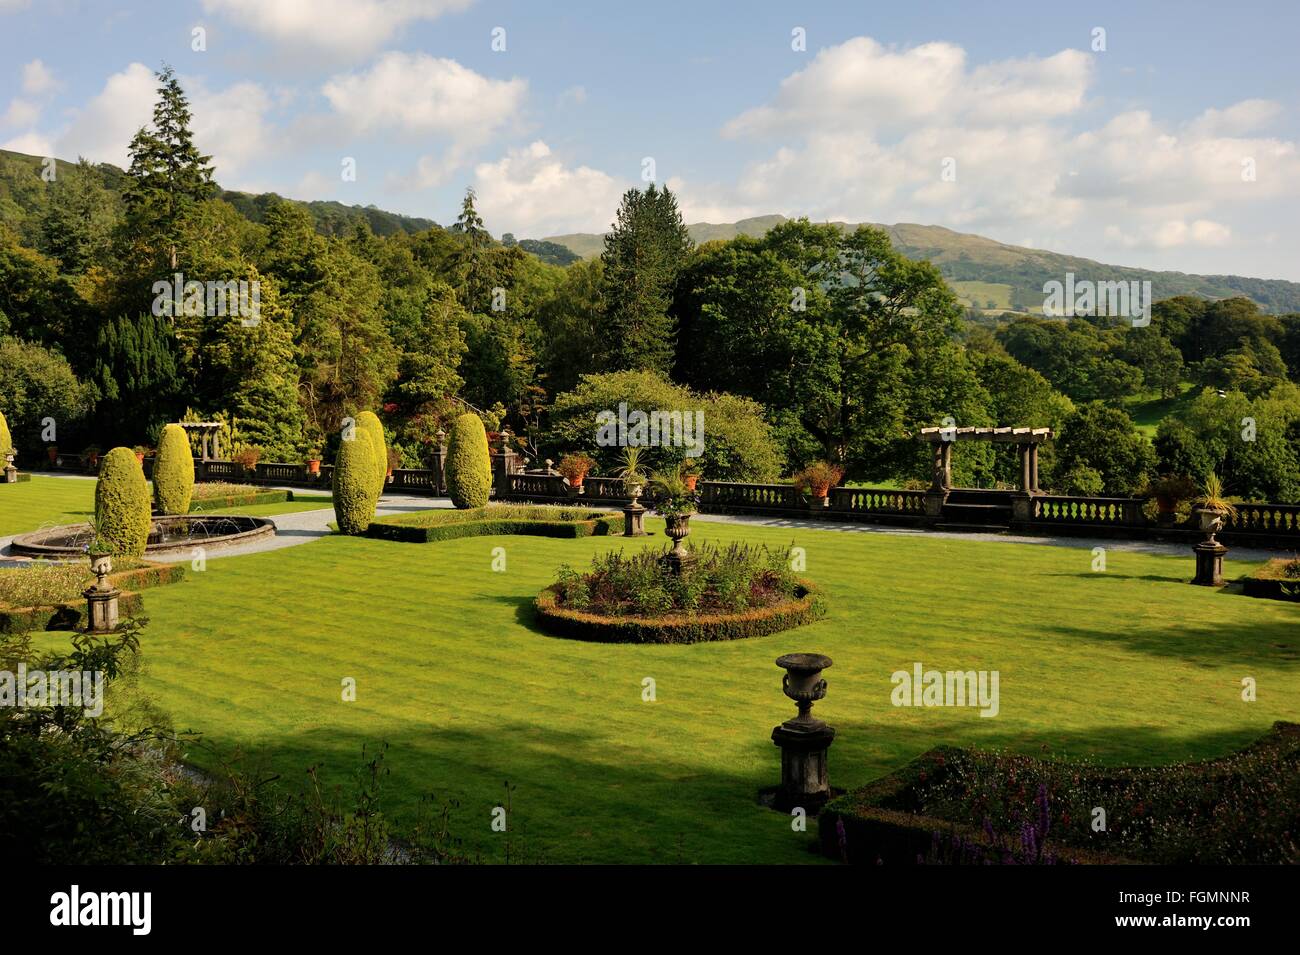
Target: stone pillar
937 482
216 444
1033 468
1209 563
101 598
634 519
440 461
1026 475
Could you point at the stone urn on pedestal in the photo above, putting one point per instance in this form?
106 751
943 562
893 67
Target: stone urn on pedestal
633 510
803 739
678 528
11 472
1209 552
101 596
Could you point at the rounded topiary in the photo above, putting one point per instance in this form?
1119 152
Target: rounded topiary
354 483
6 440
368 422
173 471
122 504
469 469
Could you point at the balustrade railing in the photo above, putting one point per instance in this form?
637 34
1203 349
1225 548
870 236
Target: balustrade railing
874 500
1277 519
734 494
1112 511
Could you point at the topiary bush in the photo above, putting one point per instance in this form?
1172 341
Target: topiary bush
173 471
469 468
6 440
122 504
354 483
368 422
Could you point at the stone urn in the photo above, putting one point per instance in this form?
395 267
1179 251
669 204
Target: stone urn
678 528
11 472
101 597
101 565
1210 552
803 740
633 510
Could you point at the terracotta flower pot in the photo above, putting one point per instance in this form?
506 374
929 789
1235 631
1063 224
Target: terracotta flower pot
139 457
313 466
690 481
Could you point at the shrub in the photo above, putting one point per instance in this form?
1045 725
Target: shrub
425 527
173 471
368 422
354 483
6 441
247 457
469 469
122 504
818 478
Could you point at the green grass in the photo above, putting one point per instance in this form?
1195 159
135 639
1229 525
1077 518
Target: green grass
493 512
1149 409
1128 666
49 502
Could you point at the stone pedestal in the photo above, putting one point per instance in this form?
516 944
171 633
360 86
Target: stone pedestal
101 609
805 781
633 520
11 474
1022 507
679 559
1209 563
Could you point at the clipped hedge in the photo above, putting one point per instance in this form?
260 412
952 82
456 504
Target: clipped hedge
122 503
71 614
354 483
469 467
599 526
1271 582
369 422
173 471
240 499
701 628
6 439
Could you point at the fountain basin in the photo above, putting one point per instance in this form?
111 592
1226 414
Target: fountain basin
167 535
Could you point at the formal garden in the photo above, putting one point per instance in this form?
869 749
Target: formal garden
761 550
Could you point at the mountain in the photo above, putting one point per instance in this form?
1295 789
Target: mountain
992 275
22 201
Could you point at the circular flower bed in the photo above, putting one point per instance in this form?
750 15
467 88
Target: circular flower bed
727 594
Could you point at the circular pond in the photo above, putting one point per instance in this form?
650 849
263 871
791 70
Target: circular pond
167 535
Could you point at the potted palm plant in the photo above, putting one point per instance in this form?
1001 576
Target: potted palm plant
629 471
675 503
1212 506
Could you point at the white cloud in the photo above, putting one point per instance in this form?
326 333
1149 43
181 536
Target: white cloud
341 28
414 95
102 129
532 193
33 144
21 112
232 127
864 132
37 79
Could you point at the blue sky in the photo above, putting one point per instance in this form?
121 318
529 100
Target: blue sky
1174 147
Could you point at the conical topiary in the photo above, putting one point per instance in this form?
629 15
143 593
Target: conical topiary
369 422
122 504
354 483
173 471
469 468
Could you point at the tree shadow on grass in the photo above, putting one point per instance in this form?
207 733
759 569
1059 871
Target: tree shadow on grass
1247 645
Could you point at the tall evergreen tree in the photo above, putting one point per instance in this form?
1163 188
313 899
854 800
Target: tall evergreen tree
644 251
137 376
77 227
168 174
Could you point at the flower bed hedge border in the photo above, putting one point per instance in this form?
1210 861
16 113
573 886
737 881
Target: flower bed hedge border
896 837
600 526
1264 583
70 614
578 625
245 499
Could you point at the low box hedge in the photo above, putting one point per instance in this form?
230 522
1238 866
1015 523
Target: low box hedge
21 477
239 499
700 628
70 614
882 822
1271 582
599 526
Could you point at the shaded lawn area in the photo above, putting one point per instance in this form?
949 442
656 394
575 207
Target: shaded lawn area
49 502
1150 409
1129 666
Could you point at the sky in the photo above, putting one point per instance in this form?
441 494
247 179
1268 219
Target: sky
1160 135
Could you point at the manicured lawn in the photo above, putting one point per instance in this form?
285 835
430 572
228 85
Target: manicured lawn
49 501
1131 665
1150 409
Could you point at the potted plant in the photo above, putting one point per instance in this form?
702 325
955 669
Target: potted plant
53 452
140 451
1172 496
247 457
1212 506
100 553
91 454
576 467
691 473
394 461
313 461
675 503
818 478
629 471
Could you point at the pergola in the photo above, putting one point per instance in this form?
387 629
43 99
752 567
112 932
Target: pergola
209 437
1026 439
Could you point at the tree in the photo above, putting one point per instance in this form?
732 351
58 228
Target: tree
136 375
571 323
78 224
168 174
36 384
1105 440
645 249
1156 357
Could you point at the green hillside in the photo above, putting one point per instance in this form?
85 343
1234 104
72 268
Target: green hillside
982 270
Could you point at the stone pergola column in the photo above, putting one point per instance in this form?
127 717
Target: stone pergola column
1026 467
1033 468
